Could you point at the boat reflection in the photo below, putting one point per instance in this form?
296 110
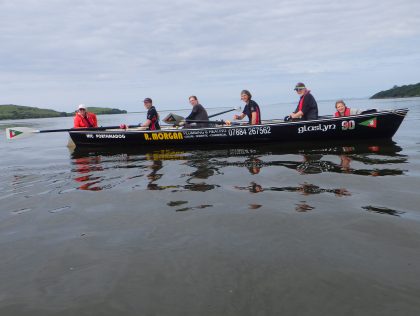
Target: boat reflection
253 164
204 170
303 207
309 189
154 174
382 210
84 170
252 187
372 160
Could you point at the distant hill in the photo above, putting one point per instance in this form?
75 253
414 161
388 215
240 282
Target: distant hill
97 110
13 112
411 90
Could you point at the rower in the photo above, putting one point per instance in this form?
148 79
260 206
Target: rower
152 121
152 118
343 110
307 109
252 110
84 119
198 113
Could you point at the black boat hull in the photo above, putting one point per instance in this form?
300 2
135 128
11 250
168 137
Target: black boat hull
378 125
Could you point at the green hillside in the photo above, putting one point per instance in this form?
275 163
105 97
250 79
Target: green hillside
412 90
97 110
13 112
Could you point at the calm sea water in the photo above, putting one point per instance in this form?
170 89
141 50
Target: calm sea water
319 229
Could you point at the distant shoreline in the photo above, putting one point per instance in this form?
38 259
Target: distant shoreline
406 91
20 112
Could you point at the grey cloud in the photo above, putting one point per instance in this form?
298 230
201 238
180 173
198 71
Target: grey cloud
142 43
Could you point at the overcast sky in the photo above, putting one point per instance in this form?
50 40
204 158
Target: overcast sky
57 54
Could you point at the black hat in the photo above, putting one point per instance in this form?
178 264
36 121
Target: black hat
147 100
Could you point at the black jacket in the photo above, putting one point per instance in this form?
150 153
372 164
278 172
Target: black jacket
309 107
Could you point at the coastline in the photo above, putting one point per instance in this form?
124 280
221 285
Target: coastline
20 112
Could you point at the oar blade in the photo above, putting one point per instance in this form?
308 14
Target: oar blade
173 119
19 132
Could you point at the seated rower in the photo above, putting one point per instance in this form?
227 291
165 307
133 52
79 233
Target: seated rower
152 117
307 108
198 113
252 110
84 119
343 110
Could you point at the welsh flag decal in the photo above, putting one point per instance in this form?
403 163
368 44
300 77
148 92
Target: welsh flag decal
14 133
369 123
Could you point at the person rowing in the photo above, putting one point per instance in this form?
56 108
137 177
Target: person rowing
152 117
343 110
198 113
251 109
84 119
307 108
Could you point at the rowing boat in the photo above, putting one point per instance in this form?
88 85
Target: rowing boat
381 124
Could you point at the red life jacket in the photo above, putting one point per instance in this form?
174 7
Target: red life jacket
83 122
346 113
152 126
154 120
258 116
302 98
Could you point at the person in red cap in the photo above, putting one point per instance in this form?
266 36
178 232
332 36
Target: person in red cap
84 119
307 108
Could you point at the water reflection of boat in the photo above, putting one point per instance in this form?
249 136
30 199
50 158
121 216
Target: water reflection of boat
252 187
378 158
309 189
154 175
84 169
381 147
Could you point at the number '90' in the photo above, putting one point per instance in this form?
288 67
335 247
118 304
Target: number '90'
346 125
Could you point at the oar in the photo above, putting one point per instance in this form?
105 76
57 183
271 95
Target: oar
220 122
175 119
235 109
20 132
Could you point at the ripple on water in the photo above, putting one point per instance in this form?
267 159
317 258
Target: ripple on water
179 203
176 203
60 209
21 211
382 210
28 182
